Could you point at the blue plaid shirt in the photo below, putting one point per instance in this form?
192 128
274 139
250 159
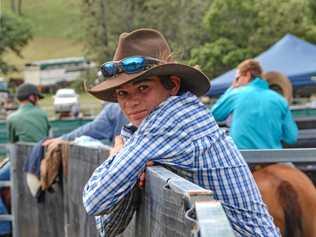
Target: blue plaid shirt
181 133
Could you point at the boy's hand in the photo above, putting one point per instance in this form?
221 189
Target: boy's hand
141 178
50 141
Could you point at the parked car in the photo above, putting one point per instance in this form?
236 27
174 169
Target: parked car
66 100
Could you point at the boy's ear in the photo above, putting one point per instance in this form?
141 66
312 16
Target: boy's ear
176 81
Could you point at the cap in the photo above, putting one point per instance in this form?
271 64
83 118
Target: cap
27 89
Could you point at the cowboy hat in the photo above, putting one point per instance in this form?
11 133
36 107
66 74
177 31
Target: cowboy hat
275 78
149 43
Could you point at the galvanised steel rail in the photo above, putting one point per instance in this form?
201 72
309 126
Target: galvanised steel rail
206 213
211 219
295 155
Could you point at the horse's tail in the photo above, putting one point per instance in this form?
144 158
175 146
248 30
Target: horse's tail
288 199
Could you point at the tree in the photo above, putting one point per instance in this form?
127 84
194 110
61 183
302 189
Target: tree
218 56
16 7
243 29
178 20
15 33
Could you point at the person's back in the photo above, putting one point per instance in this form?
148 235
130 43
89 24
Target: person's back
262 114
28 124
261 118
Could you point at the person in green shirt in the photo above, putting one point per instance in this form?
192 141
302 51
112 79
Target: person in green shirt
29 123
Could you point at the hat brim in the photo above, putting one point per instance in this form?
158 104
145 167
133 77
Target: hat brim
192 79
285 85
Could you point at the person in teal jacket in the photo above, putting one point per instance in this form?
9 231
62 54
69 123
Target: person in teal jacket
260 117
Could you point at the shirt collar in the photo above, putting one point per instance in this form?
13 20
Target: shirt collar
128 130
26 106
259 82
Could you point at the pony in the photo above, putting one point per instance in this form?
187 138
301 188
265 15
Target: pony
290 197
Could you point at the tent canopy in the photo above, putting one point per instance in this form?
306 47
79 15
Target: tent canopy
291 56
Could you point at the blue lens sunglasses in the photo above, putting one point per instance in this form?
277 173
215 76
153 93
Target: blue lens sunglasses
128 65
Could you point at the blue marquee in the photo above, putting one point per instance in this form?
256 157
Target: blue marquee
291 56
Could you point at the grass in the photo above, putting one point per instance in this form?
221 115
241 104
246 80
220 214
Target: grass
52 18
42 49
57 31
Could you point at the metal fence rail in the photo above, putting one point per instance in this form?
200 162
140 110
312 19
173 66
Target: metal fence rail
174 206
212 220
306 155
170 205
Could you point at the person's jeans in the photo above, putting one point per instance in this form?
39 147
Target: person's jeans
5 226
5 172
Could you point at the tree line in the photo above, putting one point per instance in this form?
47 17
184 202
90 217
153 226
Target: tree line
215 34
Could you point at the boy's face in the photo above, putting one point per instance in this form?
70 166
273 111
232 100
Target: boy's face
137 99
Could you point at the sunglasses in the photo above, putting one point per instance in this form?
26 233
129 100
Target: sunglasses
127 65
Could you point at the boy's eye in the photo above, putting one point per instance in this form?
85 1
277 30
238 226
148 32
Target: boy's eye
142 88
121 93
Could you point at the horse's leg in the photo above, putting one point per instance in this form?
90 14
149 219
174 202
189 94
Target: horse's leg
267 185
289 201
299 198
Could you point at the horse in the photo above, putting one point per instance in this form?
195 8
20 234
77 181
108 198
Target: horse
290 197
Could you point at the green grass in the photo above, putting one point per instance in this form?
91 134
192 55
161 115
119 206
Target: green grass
57 31
52 18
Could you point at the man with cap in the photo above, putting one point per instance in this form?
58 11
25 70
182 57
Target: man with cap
169 126
28 124
261 118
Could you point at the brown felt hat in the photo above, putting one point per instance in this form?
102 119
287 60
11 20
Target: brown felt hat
150 43
280 80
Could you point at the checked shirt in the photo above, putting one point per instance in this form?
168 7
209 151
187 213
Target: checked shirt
181 133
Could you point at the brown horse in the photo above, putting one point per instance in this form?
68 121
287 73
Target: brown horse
290 197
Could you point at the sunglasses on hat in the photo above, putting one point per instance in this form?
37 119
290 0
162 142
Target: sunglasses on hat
127 65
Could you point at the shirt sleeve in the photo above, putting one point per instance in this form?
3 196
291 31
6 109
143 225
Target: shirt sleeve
116 177
101 128
224 105
289 128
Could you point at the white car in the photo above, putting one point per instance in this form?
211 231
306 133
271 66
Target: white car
66 100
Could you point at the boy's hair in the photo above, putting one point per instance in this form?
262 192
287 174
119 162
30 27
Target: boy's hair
168 84
252 66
